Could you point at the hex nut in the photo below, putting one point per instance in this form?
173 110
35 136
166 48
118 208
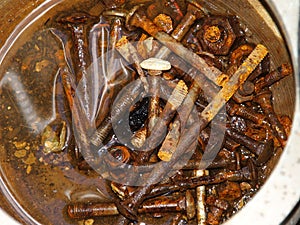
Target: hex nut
216 35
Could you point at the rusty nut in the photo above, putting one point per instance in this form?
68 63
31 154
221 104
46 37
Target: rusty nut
216 35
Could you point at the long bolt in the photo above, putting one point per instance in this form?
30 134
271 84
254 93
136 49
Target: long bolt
246 113
263 150
157 205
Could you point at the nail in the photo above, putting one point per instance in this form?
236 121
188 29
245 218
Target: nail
263 150
218 163
78 22
155 68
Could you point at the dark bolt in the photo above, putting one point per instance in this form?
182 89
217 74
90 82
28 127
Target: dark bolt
194 11
161 204
271 78
264 99
245 112
216 35
263 150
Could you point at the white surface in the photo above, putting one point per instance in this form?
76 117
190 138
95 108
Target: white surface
281 192
267 208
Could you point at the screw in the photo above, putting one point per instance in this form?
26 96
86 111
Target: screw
263 150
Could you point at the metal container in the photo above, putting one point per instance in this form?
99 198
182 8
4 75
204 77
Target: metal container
280 194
